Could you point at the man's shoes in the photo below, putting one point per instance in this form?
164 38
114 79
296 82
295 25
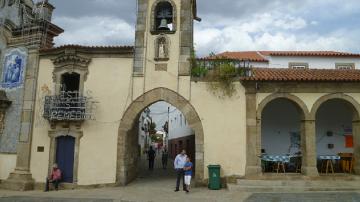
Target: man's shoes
176 190
187 191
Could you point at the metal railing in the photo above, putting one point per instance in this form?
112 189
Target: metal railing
68 106
203 65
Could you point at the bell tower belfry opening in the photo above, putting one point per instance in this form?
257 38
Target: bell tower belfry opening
163 46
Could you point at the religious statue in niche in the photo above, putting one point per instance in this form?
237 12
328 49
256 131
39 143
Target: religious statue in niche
162 49
13 69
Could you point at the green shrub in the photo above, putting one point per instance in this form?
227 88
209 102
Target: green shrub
199 72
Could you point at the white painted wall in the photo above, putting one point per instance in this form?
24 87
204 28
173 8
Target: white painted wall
224 125
143 134
7 165
333 116
109 82
314 62
178 126
259 64
279 118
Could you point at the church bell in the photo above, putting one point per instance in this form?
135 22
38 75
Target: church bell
163 25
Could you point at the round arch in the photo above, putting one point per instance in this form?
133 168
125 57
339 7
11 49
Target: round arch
339 96
294 99
303 112
352 103
153 13
127 152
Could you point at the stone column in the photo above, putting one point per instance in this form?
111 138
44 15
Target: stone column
308 145
253 136
356 134
21 178
140 37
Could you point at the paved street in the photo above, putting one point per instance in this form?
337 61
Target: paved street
158 185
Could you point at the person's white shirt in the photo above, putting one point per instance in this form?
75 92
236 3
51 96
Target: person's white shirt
180 161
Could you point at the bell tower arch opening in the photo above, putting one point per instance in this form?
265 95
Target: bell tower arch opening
164 16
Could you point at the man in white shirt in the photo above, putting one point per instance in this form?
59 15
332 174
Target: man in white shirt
179 163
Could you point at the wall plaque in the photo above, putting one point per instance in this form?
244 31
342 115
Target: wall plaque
161 67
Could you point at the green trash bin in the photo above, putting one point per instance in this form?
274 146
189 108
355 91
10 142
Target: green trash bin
214 177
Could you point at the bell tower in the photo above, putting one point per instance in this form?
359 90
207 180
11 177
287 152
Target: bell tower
163 46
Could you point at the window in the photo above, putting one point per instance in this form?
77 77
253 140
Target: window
298 65
345 66
70 82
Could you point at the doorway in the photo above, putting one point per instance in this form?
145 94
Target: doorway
65 150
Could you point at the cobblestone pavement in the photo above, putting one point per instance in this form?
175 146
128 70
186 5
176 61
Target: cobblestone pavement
158 185
304 197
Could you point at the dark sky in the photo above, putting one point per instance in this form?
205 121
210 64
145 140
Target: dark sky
227 24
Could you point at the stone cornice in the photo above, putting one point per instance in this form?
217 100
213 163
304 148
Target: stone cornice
70 61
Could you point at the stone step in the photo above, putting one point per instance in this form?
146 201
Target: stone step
294 185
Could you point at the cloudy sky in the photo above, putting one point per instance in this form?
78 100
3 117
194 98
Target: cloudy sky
228 25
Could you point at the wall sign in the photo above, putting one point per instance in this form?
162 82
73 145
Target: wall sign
14 68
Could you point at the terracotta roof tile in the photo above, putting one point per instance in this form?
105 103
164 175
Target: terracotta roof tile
277 74
74 46
252 56
309 53
260 56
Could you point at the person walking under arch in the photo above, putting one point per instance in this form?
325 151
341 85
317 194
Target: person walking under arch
151 158
164 158
179 163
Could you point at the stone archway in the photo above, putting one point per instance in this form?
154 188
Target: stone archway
127 149
355 106
253 167
294 99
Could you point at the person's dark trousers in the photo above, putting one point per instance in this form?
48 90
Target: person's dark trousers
54 182
164 163
180 176
151 164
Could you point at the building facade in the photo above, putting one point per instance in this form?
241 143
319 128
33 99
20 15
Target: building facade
82 106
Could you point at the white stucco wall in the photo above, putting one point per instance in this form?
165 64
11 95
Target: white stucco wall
314 62
178 125
336 117
109 82
7 165
259 64
279 119
224 124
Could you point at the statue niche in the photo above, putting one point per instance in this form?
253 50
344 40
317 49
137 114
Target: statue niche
162 49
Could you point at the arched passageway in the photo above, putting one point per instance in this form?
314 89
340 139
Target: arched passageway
281 147
128 150
337 134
